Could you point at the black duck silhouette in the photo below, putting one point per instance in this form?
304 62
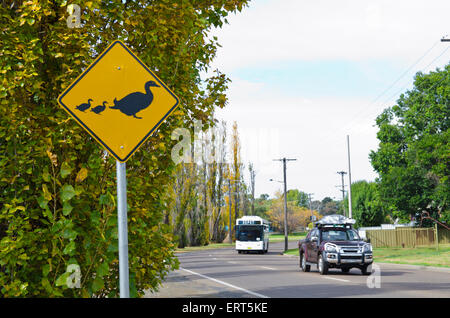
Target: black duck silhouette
98 109
83 107
133 103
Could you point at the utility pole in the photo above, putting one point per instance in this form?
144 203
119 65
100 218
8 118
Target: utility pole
310 205
284 160
343 189
349 181
229 203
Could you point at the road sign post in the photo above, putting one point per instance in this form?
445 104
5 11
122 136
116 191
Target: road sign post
122 229
120 102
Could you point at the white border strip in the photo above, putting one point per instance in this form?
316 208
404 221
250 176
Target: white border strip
417 267
270 268
224 283
338 279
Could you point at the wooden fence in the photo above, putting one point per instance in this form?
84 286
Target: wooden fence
407 237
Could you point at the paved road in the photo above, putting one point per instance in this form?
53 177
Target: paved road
224 273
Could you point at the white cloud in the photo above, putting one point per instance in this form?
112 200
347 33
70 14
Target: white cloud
285 30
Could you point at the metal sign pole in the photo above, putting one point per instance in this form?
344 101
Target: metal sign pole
122 228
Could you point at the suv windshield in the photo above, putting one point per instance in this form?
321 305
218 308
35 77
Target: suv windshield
339 235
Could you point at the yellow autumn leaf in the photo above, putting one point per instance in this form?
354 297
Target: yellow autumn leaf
81 175
53 158
47 194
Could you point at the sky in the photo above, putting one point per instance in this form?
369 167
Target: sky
305 74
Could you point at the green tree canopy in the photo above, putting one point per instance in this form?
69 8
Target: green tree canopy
262 205
328 206
367 208
299 197
413 159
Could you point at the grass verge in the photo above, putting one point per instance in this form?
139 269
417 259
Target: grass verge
425 256
205 247
291 237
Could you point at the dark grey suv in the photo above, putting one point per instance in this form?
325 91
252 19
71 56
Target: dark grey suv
333 243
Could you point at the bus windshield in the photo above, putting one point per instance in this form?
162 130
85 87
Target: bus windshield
247 233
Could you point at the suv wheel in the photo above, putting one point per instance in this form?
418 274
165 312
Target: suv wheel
303 265
322 265
366 269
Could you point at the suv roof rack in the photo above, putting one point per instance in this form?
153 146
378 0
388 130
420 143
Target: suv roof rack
335 220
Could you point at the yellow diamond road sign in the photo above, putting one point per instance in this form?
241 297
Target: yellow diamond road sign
119 101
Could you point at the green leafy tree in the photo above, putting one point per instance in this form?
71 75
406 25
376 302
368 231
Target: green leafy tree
301 198
262 205
367 208
329 206
57 185
413 156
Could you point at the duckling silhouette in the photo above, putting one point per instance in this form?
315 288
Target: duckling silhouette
133 103
84 106
98 109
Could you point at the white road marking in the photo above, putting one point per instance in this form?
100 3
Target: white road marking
271 268
339 279
224 283
231 262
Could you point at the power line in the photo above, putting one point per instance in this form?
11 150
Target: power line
405 72
404 87
364 110
367 111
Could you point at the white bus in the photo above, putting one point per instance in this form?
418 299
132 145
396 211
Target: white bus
252 234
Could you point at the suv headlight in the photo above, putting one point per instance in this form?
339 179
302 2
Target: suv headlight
330 248
367 248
